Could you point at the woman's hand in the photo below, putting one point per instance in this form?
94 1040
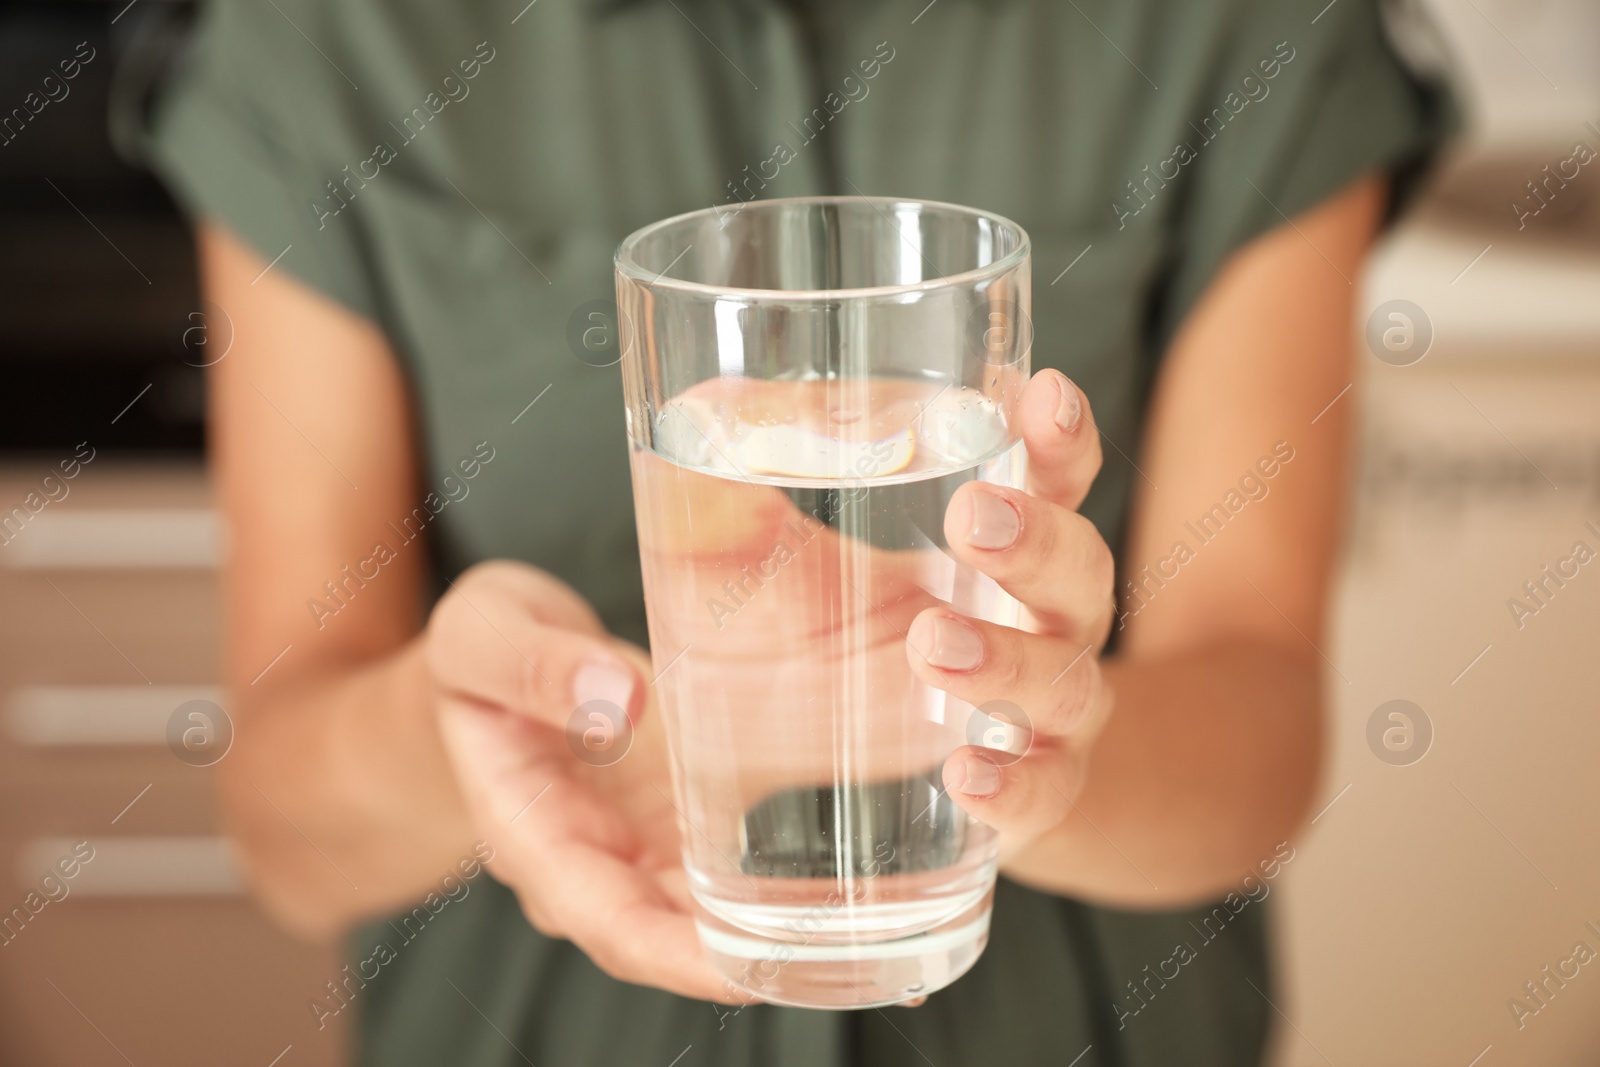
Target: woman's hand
589 845
1041 551
592 851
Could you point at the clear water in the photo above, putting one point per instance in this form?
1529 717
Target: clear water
790 532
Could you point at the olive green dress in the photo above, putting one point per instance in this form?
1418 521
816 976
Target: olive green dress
460 172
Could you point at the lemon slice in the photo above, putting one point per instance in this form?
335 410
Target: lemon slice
795 452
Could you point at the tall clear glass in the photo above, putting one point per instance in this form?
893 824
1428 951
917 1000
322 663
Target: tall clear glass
808 381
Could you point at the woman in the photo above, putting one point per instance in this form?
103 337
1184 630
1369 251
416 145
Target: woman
408 216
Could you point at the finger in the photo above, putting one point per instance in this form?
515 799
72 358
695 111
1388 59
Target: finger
1050 558
518 771
626 924
1022 800
507 764
491 642
537 592
1054 682
572 857
1062 438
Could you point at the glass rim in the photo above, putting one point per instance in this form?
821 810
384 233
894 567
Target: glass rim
626 264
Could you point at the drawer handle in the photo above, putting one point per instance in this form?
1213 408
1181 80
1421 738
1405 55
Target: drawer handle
177 866
52 715
114 539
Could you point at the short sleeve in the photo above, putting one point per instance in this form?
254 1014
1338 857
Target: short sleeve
229 155
1303 105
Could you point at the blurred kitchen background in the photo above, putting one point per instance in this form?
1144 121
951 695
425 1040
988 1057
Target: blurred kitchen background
1442 877
1453 857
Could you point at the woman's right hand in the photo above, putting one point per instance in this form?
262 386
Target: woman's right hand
591 850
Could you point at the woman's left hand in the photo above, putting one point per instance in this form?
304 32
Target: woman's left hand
1054 561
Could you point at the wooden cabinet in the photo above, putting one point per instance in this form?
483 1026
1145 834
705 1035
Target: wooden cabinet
151 952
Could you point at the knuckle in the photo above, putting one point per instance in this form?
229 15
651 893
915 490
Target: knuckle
603 957
1100 564
1041 531
1086 552
1088 687
1069 777
1008 666
1093 458
611 958
1082 684
440 638
488 575
457 613
537 916
525 589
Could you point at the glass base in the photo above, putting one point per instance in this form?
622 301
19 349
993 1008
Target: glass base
815 973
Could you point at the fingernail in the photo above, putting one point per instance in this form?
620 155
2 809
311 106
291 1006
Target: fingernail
977 777
946 643
993 522
1070 408
603 678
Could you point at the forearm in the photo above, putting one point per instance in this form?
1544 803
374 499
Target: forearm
338 793
1209 759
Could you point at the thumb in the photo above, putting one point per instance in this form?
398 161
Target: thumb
1062 437
1021 798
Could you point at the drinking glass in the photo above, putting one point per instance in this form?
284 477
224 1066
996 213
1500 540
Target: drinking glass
807 383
